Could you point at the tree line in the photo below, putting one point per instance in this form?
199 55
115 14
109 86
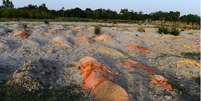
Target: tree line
7 10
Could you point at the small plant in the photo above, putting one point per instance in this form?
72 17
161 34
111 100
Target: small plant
190 33
70 93
166 30
182 29
114 22
141 29
46 22
191 55
24 26
97 30
174 31
163 30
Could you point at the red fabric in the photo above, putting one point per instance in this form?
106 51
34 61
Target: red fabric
129 64
93 73
140 48
161 81
21 34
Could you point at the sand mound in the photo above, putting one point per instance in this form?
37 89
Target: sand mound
82 40
109 91
90 78
103 37
4 30
161 81
129 64
60 41
20 78
96 78
76 29
189 61
110 52
21 34
140 48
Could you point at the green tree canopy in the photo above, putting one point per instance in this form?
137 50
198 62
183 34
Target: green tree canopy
8 4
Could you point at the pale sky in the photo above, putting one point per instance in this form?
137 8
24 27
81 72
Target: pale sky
147 6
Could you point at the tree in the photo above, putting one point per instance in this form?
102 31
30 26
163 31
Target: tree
8 4
43 7
190 18
89 13
42 12
125 14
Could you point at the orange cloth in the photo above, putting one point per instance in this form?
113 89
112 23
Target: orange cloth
161 81
156 79
96 78
140 48
92 72
21 34
129 63
190 61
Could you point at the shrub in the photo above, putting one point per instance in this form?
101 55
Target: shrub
166 30
114 22
97 30
191 55
69 93
174 31
24 26
182 29
163 30
141 29
46 22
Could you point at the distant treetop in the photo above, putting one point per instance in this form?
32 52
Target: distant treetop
8 4
7 10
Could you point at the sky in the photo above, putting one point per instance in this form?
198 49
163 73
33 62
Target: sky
146 6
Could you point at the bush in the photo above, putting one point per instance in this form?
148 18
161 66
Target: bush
191 55
97 30
163 30
70 93
174 31
141 29
166 30
24 26
114 22
46 22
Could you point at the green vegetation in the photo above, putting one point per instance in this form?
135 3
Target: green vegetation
174 31
46 22
24 26
16 94
191 55
7 4
7 10
190 18
141 29
166 30
97 30
163 30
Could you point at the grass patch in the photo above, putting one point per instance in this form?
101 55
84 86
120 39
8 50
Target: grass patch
141 29
46 22
174 31
8 93
191 55
166 30
163 30
97 30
